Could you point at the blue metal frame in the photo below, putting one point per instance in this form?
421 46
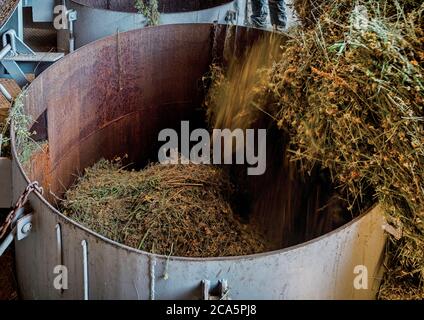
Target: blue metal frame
42 12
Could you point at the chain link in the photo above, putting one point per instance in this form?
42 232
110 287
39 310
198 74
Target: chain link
33 186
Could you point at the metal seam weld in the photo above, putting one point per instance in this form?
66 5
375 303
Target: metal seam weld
152 277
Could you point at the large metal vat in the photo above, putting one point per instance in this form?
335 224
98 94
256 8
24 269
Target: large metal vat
112 97
101 18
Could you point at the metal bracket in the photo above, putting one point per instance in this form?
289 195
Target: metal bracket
16 222
221 293
21 230
71 15
24 226
16 72
17 46
84 245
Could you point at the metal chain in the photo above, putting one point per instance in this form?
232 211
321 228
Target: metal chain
33 186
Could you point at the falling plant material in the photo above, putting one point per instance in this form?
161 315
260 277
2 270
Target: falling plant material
180 209
348 91
231 102
149 9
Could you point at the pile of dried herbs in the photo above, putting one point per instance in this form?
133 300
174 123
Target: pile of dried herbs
310 12
179 210
349 90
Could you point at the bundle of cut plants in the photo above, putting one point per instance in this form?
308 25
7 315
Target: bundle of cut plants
349 92
179 210
310 11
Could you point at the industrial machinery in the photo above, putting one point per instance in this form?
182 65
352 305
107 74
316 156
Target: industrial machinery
17 59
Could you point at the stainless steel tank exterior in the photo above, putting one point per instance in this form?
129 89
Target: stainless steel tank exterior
112 97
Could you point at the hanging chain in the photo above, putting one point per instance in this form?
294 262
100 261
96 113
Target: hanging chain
33 186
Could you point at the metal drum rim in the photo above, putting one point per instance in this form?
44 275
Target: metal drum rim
77 2
134 250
